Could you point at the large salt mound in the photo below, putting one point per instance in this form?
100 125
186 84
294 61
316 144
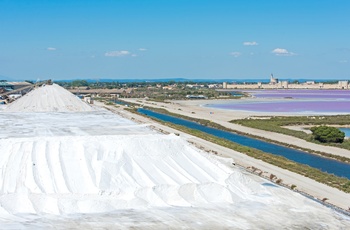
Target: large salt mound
49 98
136 180
105 173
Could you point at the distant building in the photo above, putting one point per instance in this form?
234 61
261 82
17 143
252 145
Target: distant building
168 87
196 97
6 86
273 80
20 84
283 84
343 84
195 86
212 86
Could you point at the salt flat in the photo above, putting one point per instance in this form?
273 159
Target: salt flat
100 122
89 168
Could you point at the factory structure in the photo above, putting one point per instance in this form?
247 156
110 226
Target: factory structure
276 84
10 91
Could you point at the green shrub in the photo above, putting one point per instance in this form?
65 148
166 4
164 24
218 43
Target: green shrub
327 134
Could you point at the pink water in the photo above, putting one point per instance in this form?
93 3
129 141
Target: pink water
293 101
301 94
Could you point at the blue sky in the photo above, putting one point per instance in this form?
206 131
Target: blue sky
175 39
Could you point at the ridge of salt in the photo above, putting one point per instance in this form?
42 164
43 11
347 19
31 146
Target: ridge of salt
49 98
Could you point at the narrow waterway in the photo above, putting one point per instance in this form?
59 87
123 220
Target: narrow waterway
324 164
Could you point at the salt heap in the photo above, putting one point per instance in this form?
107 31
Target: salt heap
48 98
98 170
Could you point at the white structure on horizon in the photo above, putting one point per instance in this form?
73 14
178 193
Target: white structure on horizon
343 84
273 80
276 84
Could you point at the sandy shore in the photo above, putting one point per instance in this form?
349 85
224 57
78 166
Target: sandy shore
304 184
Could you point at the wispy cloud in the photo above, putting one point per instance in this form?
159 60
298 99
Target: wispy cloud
282 52
51 48
250 43
235 54
142 49
117 53
343 61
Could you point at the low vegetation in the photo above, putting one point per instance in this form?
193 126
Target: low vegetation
277 124
157 91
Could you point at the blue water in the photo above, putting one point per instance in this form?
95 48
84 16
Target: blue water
321 163
119 102
237 94
346 131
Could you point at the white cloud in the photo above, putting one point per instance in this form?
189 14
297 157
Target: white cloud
117 53
133 55
142 49
51 48
235 54
343 61
282 52
250 43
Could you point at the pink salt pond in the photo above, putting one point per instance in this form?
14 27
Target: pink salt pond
291 101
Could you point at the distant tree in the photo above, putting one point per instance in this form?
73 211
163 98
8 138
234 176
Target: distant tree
78 83
328 134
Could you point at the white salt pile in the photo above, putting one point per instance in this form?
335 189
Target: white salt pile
101 174
48 98
98 170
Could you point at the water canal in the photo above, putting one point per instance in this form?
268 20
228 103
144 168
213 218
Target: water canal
346 131
324 164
